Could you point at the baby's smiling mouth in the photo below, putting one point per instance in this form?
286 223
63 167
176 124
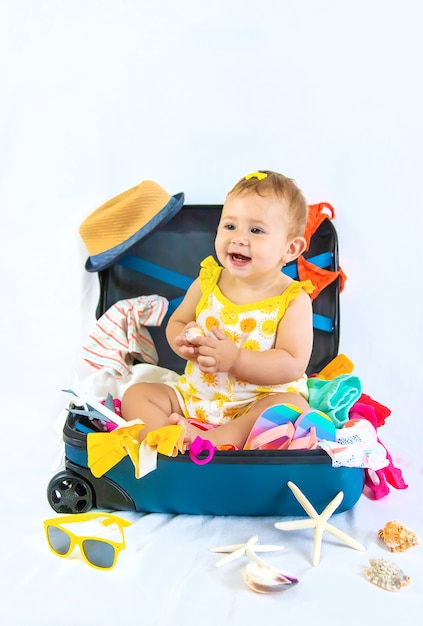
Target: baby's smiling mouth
239 258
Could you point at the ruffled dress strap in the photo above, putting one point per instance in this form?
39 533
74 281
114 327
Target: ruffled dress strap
291 292
209 275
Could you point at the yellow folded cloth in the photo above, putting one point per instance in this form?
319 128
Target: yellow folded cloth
105 450
168 440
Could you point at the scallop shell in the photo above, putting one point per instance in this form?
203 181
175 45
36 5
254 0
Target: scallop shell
386 574
397 537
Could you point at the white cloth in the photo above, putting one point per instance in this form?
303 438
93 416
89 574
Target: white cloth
356 445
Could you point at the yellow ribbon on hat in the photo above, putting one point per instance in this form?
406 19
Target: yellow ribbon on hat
258 175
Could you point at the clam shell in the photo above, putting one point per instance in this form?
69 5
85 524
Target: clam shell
397 537
386 574
266 579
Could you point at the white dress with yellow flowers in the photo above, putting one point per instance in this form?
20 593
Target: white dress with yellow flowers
218 398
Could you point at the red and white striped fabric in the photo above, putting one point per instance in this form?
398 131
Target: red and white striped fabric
120 335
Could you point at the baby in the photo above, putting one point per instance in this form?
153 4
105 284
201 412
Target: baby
244 327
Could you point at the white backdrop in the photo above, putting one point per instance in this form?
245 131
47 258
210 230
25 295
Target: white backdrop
97 95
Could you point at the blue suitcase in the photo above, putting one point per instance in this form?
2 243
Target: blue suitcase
251 483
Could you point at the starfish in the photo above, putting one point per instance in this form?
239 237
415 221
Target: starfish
239 549
318 522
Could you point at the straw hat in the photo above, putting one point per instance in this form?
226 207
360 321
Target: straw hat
118 224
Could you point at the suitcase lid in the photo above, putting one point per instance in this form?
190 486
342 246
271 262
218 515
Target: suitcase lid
168 260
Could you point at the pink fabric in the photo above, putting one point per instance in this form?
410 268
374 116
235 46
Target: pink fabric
377 489
200 425
370 409
376 485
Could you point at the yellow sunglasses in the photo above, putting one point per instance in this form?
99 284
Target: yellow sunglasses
98 552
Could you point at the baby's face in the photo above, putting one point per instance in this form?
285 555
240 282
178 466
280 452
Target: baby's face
252 236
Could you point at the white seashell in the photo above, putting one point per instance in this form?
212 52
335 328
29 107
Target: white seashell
266 579
193 332
386 574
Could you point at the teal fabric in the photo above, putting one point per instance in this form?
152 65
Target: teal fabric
334 397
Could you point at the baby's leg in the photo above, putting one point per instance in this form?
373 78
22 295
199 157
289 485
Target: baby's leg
243 424
152 403
236 431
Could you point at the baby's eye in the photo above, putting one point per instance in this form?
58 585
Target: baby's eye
229 227
256 231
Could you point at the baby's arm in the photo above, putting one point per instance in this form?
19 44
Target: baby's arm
181 319
284 363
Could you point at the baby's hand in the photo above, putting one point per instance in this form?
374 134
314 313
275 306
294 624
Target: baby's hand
218 353
187 349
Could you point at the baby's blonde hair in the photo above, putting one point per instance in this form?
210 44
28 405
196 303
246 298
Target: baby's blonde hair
267 183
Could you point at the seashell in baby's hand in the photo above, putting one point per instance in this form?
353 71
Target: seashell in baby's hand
193 332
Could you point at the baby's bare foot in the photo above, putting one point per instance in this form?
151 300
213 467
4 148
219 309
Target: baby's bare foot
191 432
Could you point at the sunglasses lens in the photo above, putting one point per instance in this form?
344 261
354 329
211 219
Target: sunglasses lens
59 540
99 553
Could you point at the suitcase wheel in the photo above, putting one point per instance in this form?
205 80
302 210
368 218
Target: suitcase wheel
69 493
